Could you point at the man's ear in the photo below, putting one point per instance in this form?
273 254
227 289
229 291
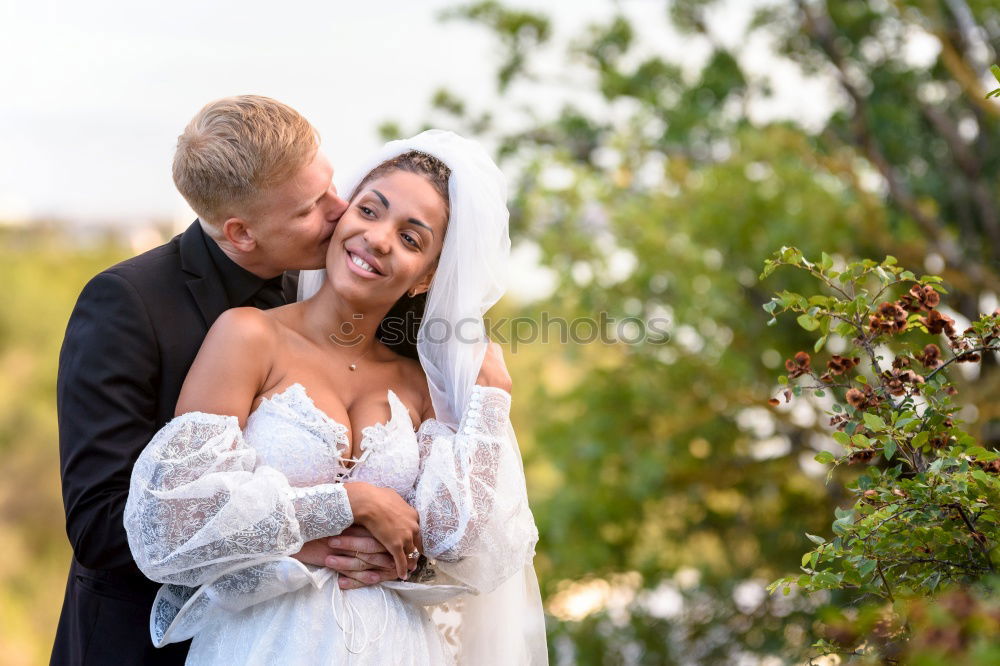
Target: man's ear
238 233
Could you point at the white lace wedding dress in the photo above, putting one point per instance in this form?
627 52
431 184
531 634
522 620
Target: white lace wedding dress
214 512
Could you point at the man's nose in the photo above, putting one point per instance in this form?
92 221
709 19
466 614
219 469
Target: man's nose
337 206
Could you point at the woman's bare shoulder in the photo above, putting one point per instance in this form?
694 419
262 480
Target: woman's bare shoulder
232 364
249 328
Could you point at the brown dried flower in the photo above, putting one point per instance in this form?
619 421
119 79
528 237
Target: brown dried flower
862 398
993 466
931 356
897 380
862 455
888 318
920 298
939 323
798 365
838 365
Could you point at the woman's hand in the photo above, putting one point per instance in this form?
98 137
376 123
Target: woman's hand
392 521
494 371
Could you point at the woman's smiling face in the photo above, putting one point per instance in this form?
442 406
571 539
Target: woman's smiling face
388 241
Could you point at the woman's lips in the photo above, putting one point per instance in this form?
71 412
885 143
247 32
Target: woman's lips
358 270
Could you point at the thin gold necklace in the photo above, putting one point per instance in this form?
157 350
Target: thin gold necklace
354 366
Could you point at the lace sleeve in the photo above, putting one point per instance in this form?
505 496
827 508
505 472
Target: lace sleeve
199 505
471 498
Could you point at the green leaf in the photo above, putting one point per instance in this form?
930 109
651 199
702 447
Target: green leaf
818 540
819 343
808 322
981 476
982 454
866 567
889 449
842 438
844 329
827 579
874 422
824 457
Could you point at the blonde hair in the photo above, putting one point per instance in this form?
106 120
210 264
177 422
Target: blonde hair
236 147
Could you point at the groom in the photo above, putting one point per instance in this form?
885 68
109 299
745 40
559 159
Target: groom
252 170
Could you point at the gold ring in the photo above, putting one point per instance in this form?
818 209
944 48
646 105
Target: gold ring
414 555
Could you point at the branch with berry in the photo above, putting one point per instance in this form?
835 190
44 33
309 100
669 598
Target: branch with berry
926 507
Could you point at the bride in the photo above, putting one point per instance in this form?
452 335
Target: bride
297 422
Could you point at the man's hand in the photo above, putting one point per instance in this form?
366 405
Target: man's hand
360 559
356 555
314 552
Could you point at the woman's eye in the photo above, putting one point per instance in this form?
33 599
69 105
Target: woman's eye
366 210
411 240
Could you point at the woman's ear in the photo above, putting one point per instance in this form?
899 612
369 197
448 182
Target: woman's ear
237 232
423 285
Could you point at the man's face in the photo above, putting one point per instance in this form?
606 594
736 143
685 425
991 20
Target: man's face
293 222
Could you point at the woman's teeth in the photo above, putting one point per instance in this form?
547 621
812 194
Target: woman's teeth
358 261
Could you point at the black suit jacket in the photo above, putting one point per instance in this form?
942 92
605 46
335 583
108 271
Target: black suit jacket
133 334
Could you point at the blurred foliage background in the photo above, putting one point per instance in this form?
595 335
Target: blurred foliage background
666 491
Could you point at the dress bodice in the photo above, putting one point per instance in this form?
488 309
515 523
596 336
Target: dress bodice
294 436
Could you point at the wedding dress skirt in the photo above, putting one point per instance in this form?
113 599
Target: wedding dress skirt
323 625
214 513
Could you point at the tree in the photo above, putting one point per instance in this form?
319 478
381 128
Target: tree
657 472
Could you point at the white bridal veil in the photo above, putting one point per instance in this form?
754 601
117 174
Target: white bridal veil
503 624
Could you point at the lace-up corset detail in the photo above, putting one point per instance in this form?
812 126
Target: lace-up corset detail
390 454
293 435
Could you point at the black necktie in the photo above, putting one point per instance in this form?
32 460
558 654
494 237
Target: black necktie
270 295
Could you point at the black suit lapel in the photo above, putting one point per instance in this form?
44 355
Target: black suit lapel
203 281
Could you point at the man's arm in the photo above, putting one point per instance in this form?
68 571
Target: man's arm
106 392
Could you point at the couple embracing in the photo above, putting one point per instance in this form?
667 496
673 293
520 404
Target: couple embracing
284 434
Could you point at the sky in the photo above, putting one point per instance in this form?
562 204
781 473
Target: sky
95 93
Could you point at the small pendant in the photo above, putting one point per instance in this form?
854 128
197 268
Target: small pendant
352 367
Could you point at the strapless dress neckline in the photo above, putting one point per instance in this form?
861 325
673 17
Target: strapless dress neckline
296 398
